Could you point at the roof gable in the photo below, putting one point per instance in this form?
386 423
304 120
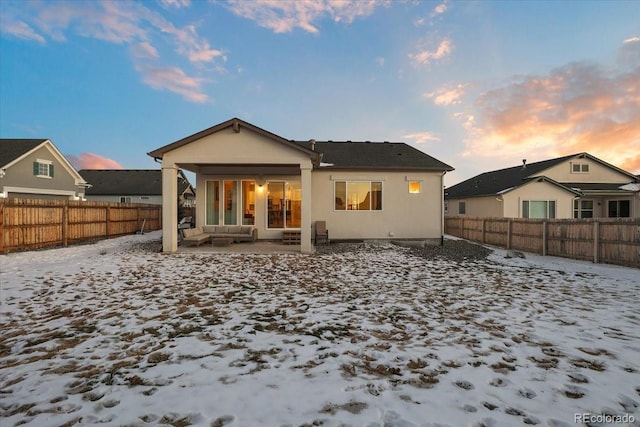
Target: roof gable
236 124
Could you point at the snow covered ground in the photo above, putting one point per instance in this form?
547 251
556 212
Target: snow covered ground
115 334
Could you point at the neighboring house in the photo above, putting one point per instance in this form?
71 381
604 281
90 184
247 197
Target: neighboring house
250 176
35 169
134 186
575 186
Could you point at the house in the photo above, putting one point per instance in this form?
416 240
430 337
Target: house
575 186
134 186
35 169
250 176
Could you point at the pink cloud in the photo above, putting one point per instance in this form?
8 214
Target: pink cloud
284 16
175 80
424 56
575 108
447 95
92 161
421 137
21 30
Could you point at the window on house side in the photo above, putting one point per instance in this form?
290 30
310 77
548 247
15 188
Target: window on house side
43 169
462 208
619 209
125 199
539 209
583 208
579 168
358 195
414 187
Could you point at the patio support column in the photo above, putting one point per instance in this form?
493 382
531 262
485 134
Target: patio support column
305 227
169 207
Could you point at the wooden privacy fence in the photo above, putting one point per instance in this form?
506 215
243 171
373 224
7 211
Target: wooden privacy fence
601 240
34 223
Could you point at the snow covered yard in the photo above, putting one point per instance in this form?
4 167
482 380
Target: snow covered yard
118 334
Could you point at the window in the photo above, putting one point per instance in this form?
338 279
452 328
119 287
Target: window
619 208
538 209
462 208
414 187
358 195
446 207
583 208
248 202
579 168
125 199
43 169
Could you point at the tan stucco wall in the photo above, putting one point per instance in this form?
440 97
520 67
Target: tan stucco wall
597 173
228 147
488 206
403 215
21 175
538 191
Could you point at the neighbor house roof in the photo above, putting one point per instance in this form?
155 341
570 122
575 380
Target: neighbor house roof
373 155
12 149
127 182
498 181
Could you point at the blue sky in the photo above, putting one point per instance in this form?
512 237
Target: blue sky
479 85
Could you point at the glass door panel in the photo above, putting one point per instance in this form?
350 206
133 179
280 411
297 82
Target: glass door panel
230 202
248 203
275 205
213 202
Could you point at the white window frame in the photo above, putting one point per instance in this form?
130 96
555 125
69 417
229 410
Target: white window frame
125 199
46 163
416 184
578 208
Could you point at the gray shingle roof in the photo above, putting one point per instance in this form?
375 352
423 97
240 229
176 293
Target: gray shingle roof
11 149
491 183
374 155
126 182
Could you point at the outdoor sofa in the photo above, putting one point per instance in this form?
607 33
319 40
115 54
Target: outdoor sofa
239 233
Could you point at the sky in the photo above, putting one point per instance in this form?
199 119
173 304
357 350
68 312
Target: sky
480 85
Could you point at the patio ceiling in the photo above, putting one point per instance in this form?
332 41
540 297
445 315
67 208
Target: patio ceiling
241 169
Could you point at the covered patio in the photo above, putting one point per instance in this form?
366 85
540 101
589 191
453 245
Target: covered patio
245 176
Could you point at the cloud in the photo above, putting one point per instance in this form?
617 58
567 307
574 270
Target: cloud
629 53
92 161
575 108
174 80
175 3
20 30
380 61
447 95
421 137
424 56
284 16
142 30
439 9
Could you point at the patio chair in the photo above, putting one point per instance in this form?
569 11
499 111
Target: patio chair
321 233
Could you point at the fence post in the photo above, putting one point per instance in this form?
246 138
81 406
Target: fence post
509 233
596 241
544 238
483 220
108 225
65 224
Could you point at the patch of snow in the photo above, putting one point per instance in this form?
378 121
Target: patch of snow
105 333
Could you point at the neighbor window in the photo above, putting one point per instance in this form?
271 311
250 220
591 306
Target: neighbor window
583 208
446 207
414 187
538 209
462 208
358 195
43 168
579 168
619 209
125 199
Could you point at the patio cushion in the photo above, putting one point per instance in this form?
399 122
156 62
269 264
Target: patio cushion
189 232
246 230
234 229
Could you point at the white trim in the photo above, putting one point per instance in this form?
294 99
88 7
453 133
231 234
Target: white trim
47 162
7 190
408 178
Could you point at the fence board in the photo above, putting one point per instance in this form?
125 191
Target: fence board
617 240
35 223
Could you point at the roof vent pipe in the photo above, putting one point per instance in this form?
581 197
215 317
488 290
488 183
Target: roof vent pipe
313 144
524 163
